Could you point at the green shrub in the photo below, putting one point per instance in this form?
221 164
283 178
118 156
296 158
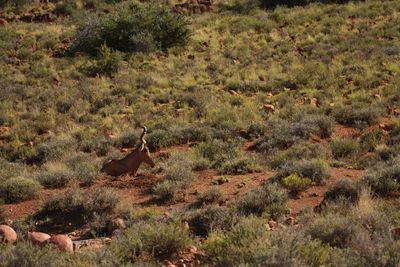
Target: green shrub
384 152
384 179
283 135
241 6
334 230
303 150
152 239
53 150
19 189
268 199
133 29
371 139
81 205
11 169
342 148
107 63
241 165
167 190
213 195
204 221
295 184
344 189
315 169
357 117
55 178
238 246
320 125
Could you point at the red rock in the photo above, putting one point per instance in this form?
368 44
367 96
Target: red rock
7 234
38 238
314 102
192 249
63 243
269 108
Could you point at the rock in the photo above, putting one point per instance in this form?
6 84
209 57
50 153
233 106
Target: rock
273 225
269 108
7 234
3 21
376 96
233 92
192 249
117 223
186 225
314 102
168 264
38 238
63 242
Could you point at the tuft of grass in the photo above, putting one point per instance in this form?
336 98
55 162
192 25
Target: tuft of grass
19 189
269 199
315 169
342 148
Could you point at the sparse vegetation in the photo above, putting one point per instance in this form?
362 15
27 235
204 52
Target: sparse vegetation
285 88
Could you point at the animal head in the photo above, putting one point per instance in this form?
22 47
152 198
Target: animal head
143 150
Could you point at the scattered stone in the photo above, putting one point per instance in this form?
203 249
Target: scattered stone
186 225
7 234
3 21
269 108
233 92
63 242
273 225
261 78
168 264
376 96
38 238
314 102
192 249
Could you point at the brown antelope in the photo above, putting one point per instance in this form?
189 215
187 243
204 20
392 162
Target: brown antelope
130 164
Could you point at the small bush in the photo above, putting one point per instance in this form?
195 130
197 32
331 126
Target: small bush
385 179
242 6
55 178
107 63
81 205
268 199
303 150
283 135
213 195
343 190
154 239
19 189
384 152
342 148
320 125
203 221
241 165
167 190
334 230
357 117
295 184
133 29
315 169
372 139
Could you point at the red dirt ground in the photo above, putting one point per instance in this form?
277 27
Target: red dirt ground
137 190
